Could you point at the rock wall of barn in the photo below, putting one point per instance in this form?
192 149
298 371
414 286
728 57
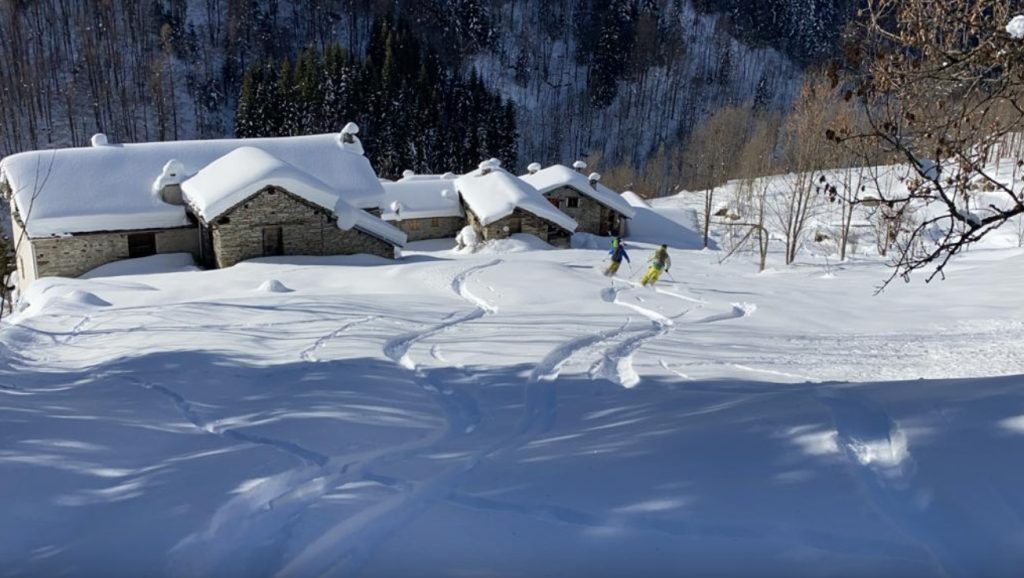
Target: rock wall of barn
521 221
73 255
431 228
592 216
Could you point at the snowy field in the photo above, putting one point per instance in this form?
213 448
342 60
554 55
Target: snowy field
515 414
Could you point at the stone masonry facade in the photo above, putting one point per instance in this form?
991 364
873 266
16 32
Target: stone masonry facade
431 228
521 221
305 229
592 216
73 255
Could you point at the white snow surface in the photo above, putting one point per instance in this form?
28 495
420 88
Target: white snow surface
1016 27
516 415
498 193
245 171
558 176
109 188
421 197
672 226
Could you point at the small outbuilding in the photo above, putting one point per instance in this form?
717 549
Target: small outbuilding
424 206
597 209
499 204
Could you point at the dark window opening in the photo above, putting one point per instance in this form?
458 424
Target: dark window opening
141 245
273 242
572 203
223 220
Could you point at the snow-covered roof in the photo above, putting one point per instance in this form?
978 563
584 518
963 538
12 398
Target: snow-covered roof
245 171
109 187
420 197
495 194
558 176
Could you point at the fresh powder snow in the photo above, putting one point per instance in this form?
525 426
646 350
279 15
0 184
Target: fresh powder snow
514 412
1016 27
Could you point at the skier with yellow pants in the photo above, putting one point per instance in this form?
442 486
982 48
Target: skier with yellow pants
659 262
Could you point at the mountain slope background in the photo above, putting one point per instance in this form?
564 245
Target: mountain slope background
621 78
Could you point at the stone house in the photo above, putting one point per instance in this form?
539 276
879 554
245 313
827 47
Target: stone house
424 206
251 204
597 209
499 204
75 209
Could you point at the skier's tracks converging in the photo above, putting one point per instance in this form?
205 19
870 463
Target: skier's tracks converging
309 354
616 363
549 367
397 349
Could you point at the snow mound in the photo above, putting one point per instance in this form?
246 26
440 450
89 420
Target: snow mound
517 243
589 241
154 264
1016 27
657 225
273 286
84 298
467 240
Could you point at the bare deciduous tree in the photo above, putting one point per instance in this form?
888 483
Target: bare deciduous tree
711 156
941 84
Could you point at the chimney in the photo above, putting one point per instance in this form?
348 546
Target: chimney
594 179
167 187
534 168
486 167
579 166
348 134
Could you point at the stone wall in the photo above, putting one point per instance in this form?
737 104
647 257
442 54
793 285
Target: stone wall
521 221
74 255
431 228
592 216
306 229
24 259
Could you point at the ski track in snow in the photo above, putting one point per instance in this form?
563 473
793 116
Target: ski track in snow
188 412
877 451
397 349
616 363
308 354
344 548
263 512
739 311
75 331
549 368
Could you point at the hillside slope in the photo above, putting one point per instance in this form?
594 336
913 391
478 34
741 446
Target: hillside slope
622 77
514 413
